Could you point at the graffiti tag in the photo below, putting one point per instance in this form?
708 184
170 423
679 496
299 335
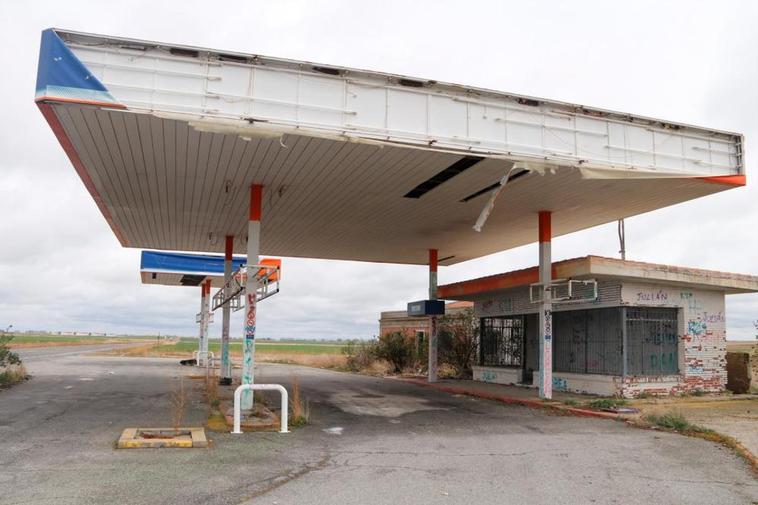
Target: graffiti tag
696 327
652 296
560 383
692 303
718 317
488 376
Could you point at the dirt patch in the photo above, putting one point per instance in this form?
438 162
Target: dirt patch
737 418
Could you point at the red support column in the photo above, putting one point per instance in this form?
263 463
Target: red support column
546 307
251 289
432 366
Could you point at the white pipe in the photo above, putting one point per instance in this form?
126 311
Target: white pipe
209 358
260 387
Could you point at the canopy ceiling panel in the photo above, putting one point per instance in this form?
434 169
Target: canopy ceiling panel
355 165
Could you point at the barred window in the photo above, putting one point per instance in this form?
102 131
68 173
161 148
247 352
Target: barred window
588 341
501 341
652 339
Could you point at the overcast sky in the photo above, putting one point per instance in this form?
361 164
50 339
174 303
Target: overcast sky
61 267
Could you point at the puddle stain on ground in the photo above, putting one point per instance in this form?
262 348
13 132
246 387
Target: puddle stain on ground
392 405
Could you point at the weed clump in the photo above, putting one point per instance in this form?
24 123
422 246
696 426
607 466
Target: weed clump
11 369
607 403
178 405
12 375
300 409
675 421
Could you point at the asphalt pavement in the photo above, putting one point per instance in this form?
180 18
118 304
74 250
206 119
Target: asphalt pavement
369 440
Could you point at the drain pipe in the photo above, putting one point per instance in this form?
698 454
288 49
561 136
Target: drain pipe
260 387
622 239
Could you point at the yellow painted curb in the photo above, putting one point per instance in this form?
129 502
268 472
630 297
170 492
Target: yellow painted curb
130 439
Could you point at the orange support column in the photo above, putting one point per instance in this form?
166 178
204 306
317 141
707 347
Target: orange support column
251 291
432 367
546 307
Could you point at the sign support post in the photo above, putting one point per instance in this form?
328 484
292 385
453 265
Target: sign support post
225 378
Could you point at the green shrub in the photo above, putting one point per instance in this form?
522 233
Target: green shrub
360 354
607 403
397 349
458 341
7 357
675 421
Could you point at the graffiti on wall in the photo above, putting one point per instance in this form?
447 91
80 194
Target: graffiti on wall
488 376
560 383
696 327
714 317
690 301
659 296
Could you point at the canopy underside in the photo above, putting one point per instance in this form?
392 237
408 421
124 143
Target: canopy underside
163 184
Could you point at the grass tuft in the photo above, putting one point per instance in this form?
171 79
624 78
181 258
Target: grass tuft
12 374
299 408
607 403
675 421
178 404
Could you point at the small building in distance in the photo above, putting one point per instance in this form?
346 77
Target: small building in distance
652 328
399 320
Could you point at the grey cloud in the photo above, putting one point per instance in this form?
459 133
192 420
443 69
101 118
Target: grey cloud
61 268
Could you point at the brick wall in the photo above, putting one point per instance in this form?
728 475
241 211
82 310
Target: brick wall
702 338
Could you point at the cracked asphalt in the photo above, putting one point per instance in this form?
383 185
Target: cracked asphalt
369 440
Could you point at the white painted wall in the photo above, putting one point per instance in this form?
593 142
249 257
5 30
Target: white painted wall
497 375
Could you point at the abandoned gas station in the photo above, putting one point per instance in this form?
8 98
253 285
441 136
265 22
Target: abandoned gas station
197 150
640 328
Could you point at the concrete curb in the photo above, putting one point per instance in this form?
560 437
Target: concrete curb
512 400
131 439
537 404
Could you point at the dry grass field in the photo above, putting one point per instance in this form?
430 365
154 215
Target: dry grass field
32 341
316 354
741 346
